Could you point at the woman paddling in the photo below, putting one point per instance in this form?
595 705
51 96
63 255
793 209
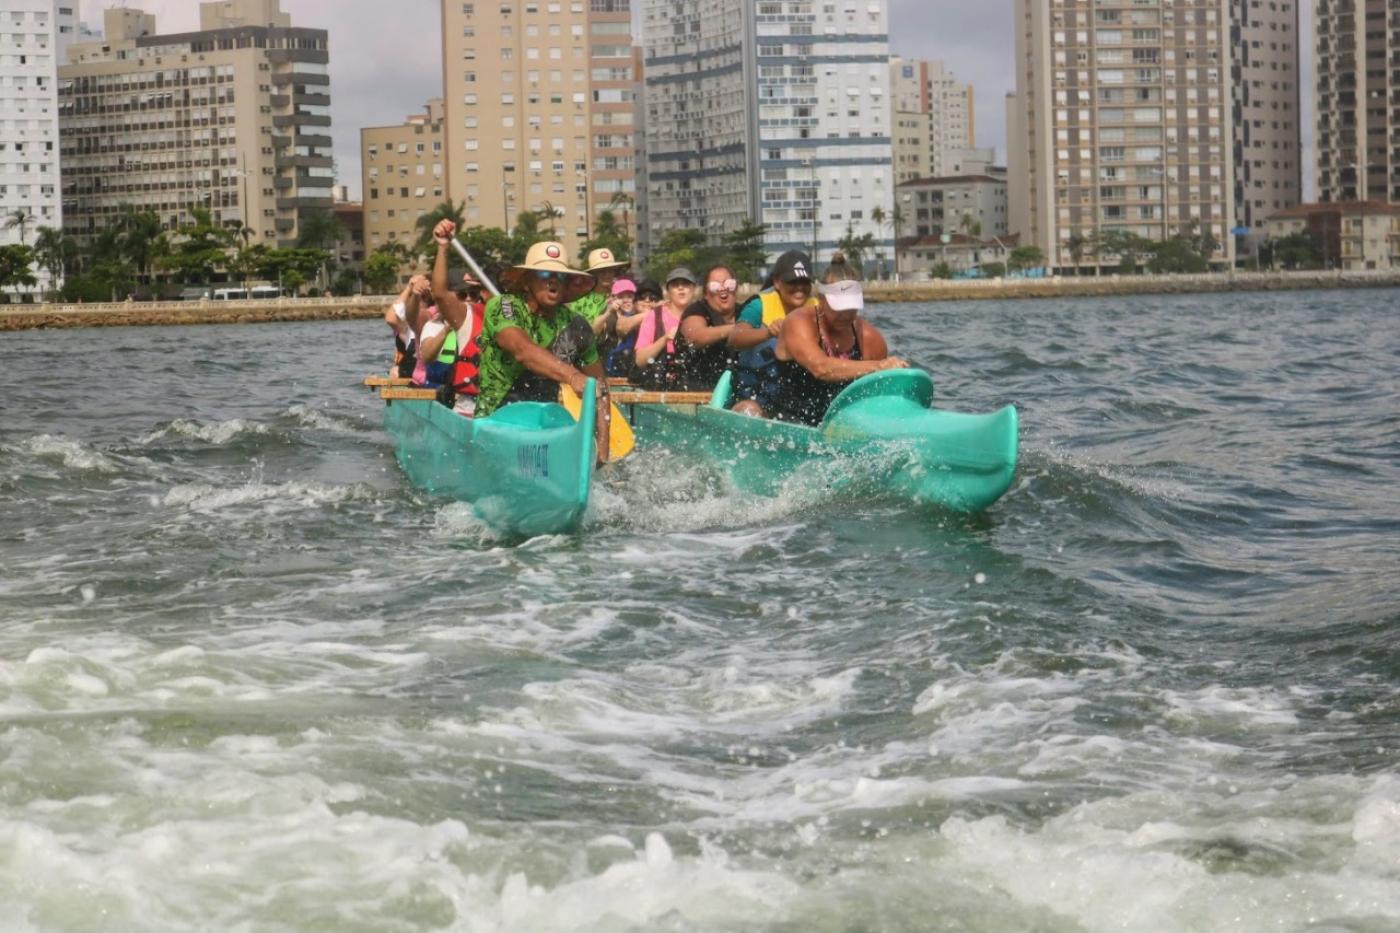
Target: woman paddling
703 338
755 333
825 348
657 363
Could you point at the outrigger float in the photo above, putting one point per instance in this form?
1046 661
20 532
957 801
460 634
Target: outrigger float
527 469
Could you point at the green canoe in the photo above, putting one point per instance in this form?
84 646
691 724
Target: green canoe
879 435
525 470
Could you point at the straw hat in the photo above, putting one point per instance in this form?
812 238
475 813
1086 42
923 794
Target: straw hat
603 258
548 257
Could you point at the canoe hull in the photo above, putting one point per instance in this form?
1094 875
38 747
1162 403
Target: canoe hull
525 470
879 438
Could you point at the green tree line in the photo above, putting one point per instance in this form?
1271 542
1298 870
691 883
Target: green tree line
135 254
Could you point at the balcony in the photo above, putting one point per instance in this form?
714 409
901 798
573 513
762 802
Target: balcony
300 119
292 77
303 161
287 204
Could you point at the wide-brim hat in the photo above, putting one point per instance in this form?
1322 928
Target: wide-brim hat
600 259
549 257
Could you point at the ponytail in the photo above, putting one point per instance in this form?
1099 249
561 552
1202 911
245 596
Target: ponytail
841 270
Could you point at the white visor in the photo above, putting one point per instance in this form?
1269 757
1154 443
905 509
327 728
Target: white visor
842 296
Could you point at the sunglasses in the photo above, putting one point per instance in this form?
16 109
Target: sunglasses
728 285
560 277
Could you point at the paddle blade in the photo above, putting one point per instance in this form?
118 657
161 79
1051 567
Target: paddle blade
620 437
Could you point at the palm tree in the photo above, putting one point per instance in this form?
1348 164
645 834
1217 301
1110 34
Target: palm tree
623 201
1076 242
141 239
20 217
882 220
54 250
547 212
855 246
426 222
970 225
319 229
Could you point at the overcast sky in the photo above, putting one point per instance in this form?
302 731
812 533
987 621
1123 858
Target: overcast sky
384 64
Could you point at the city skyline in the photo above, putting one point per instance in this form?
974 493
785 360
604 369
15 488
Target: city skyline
381 95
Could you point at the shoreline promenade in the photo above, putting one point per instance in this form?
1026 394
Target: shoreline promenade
149 313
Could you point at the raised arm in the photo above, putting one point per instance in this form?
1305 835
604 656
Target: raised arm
452 308
418 289
626 323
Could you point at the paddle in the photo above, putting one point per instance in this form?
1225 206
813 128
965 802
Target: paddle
620 437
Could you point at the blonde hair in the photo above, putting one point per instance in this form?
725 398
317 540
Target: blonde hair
840 270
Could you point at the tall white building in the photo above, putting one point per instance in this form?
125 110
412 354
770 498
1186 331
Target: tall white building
33 37
775 112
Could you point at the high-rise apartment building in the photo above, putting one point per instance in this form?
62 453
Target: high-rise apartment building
538 110
1358 100
33 37
403 176
935 126
1122 122
233 118
775 112
1267 116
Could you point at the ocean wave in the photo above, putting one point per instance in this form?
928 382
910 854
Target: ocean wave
71 453
218 433
323 420
273 497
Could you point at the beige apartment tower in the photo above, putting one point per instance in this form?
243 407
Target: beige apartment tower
1121 122
538 111
1358 100
935 132
1267 117
234 118
403 176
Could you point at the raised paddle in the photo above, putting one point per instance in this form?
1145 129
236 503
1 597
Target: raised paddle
620 437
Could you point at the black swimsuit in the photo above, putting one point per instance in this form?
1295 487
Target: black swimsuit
803 397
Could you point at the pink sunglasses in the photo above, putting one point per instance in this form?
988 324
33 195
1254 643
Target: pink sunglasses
728 285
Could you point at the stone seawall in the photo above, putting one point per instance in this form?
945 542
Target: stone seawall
148 313
137 314
1088 287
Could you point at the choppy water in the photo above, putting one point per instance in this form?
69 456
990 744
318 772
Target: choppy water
251 680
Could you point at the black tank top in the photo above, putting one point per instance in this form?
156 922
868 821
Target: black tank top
803 397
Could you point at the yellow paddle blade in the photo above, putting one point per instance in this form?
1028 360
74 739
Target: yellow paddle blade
620 438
